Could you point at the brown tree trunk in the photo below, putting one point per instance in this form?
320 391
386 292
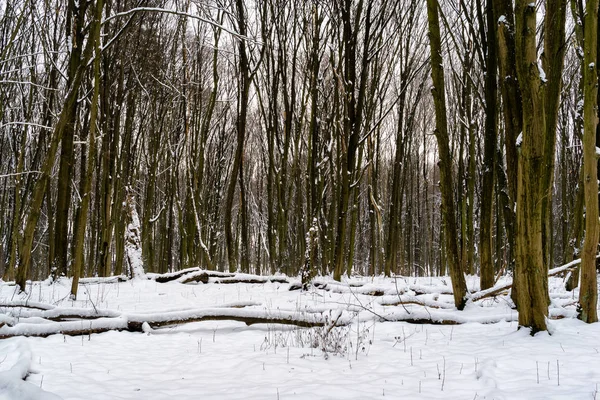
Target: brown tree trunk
530 276
459 286
487 190
588 295
88 170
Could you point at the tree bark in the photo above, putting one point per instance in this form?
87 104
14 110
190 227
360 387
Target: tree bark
530 275
588 295
87 172
487 190
459 285
244 87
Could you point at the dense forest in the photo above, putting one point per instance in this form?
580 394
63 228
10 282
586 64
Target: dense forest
337 137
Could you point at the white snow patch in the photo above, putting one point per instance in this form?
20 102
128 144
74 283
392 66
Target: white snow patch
541 72
481 358
14 368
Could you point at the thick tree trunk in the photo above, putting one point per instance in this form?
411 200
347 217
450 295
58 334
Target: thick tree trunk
530 276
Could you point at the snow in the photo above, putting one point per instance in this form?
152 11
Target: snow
485 356
502 20
15 365
133 248
541 72
519 139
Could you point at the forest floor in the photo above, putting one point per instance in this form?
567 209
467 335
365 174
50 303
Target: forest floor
363 351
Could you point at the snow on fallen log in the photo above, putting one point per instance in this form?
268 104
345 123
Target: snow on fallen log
447 317
495 290
369 289
249 317
176 275
109 279
196 277
59 314
430 301
423 289
27 304
43 327
248 278
170 276
64 327
366 289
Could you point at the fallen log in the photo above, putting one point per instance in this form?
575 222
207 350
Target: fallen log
63 314
109 279
364 289
254 279
172 276
249 317
414 300
196 277
495 290
136 322
27 304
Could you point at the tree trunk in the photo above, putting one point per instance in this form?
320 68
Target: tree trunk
552 63
459 285
244 87
88 170
40 187
588 295
487 189
530 276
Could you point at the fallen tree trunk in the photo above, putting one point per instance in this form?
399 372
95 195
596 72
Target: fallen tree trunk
254 279
173 276
196 277
364 289
495 290
414 300
110 279
112 321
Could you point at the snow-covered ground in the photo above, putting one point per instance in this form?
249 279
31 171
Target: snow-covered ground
366 359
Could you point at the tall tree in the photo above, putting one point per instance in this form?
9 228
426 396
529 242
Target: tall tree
531 270
489 153
242 116
459 285
588 295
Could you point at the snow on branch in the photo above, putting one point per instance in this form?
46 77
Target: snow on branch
182 14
